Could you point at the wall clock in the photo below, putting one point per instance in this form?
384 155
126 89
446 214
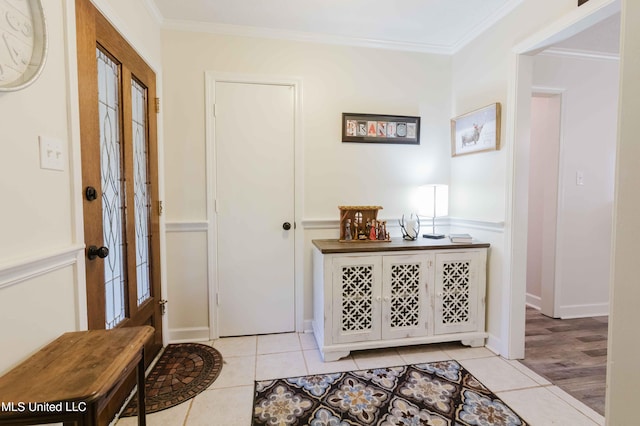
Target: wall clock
23 43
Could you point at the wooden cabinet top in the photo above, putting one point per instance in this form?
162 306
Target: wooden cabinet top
397 244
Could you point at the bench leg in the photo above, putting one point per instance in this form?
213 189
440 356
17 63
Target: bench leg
141 401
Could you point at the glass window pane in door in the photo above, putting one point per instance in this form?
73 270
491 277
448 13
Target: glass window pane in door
112 188
141 189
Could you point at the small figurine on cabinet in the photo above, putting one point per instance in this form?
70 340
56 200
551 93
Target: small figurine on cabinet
347 230
360 223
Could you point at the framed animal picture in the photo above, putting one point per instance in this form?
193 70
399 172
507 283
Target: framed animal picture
476 131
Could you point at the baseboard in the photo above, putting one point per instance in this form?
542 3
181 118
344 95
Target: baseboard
493 343
534 301
583 311
191 334
307 326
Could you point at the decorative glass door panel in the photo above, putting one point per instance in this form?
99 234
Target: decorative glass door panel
142 204
404 301
357 296
456 300
112 181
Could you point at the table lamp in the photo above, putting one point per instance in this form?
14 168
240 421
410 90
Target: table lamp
434 202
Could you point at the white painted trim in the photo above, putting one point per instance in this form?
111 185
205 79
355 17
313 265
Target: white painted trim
279 34
12 273
489 22
211 77
153 10
185 226
308 326
320 224
572 23
580 54
476 224
493 344
189 334
583 311
534 301
518 122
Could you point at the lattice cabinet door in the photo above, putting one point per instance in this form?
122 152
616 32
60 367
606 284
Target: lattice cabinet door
457 291
357 295
404 296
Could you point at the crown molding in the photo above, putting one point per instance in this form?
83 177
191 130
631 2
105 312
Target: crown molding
580 54
152 7
487 23
260 32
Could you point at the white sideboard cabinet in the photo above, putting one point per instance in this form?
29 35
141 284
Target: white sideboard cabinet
383 294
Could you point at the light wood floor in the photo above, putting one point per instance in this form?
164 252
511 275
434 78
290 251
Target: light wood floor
571 354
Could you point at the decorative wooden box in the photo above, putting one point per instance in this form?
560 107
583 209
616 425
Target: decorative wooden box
360 223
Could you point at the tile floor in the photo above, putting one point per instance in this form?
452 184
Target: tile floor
228 402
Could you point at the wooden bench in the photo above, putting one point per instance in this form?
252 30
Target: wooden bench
72 378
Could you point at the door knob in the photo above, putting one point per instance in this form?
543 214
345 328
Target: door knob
100 252
286 226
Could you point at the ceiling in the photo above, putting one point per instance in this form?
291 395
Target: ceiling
436 26
439 26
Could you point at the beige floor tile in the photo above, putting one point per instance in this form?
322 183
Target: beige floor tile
578 405
280 365
315 365
170 416
236 346
540 407
308 341
465 352
377 358
421 354
222 407
236 371
276 343
497 374
526 370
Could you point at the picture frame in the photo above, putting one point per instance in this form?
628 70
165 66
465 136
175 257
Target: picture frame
376 128
476 131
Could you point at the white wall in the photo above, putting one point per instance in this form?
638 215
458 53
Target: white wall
42 293
590 114
335 79
543 196
480 182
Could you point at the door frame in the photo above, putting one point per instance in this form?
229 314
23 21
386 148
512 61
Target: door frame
518 129
211 78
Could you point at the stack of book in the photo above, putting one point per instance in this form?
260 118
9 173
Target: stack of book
460 238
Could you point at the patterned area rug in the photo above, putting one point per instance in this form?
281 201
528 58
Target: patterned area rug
182 372
435 394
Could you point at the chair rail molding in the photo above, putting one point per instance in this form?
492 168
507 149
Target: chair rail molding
24 269
187 226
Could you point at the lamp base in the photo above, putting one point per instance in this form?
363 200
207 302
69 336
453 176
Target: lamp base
433 236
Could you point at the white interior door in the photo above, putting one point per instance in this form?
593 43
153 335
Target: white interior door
254 137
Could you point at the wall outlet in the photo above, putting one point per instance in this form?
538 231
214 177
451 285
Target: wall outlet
579 178
51 154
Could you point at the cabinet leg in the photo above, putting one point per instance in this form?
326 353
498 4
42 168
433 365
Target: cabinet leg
329 356
474 343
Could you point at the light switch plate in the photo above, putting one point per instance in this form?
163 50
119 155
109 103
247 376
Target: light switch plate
51 153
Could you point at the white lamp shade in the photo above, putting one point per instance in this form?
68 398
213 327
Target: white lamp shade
434 200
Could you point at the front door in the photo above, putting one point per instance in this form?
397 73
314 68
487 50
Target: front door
119 176
254 138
